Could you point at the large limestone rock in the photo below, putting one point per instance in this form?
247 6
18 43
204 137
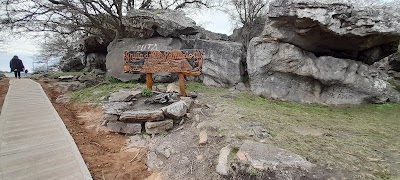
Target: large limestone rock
284 71
335 28
150 23
222 62
115 62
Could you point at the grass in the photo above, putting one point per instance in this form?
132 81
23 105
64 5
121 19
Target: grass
95 94
362 140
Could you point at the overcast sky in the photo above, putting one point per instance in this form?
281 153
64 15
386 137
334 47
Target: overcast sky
26 48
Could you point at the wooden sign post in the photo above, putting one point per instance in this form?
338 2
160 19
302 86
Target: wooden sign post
187 62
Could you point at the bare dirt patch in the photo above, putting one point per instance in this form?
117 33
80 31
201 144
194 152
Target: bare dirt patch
3 91
104 153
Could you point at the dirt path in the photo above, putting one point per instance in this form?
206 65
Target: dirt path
3 91
103 152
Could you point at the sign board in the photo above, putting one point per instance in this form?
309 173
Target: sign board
184 62
187 61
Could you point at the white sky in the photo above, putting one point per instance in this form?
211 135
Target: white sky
25 47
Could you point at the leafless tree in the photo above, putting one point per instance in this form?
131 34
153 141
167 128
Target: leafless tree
247 11
63 20
246 14
100 17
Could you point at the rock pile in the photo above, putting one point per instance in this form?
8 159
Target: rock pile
126 112
321 52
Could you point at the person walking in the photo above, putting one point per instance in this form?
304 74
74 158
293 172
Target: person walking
17 66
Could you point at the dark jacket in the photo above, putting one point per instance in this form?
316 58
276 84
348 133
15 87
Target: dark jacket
16 63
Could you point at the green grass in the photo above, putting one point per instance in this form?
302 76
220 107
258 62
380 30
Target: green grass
361 141
94 94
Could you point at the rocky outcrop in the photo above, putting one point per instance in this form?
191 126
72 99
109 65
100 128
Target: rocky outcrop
335 28
284 71
319 52
150 23
222 62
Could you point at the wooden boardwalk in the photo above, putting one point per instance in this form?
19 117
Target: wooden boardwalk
34 142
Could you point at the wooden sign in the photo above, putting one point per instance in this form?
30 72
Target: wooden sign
188 62
185 62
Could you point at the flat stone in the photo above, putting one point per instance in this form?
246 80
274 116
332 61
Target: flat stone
203 137
157 127
126 128
175 110
265 156
110 117
222 167
116 108
142 116
124 96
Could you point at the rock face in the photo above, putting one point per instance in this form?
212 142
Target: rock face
222 62
335 28
116 50
320 51
149 23
284 71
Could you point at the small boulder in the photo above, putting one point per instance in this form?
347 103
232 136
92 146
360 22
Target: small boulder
188 101
175 110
